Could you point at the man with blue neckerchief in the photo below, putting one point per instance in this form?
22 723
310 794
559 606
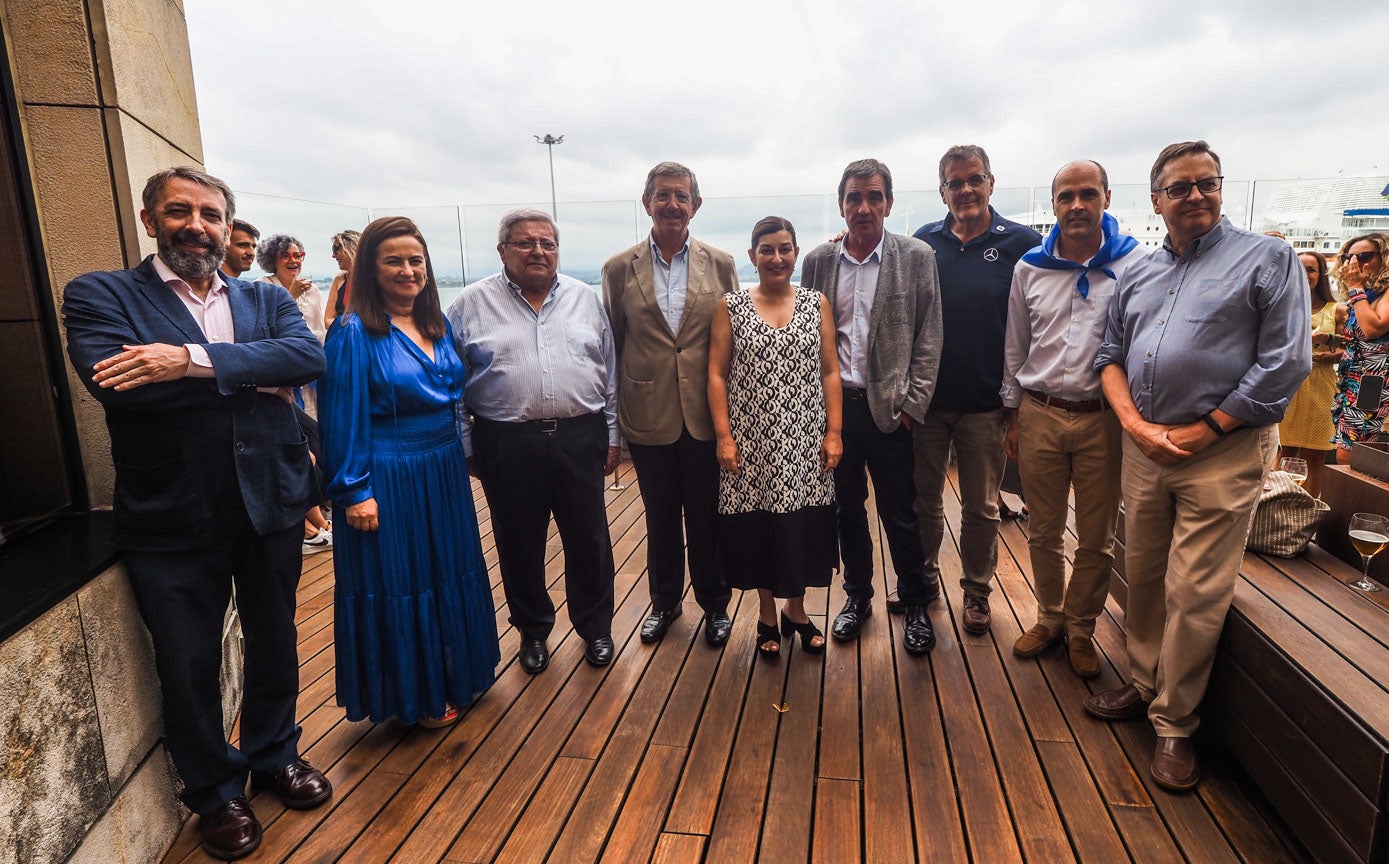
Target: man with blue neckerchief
1060 430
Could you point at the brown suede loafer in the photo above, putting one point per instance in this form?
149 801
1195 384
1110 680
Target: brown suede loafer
231 831
1037 639
1124 703
299 785
1080 650
1174 764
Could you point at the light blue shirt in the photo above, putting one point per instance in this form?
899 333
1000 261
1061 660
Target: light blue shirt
853 306
524 365
670 281
1226 325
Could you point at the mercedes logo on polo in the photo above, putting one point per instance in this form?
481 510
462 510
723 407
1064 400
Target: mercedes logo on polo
991 254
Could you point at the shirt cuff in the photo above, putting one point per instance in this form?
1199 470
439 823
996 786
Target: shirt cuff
1011 395
199 364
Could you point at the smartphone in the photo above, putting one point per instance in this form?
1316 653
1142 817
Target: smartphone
1371 393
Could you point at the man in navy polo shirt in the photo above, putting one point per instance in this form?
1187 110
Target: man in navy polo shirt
975 253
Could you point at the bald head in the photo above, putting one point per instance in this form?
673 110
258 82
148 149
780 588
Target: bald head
1088 169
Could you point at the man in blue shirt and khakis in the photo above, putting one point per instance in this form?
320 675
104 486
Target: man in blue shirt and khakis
1208 338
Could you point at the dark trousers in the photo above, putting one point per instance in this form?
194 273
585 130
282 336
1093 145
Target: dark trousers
888 458
681 478
528 474
183 598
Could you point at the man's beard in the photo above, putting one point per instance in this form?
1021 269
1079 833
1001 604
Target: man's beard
191 265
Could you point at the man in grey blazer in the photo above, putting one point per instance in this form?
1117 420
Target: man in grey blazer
661 295
886 301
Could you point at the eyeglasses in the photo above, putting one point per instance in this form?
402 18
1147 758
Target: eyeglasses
293 256
975 181
546 246
1361 257
1181 190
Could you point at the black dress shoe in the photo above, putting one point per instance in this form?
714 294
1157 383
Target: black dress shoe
535 655
654 628
599 651
230 831
849 621
717 626
299 785
917 635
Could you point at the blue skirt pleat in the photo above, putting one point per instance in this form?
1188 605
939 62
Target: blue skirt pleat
414 625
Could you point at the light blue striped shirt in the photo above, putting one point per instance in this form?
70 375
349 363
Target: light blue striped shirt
670 281
524 365
853 307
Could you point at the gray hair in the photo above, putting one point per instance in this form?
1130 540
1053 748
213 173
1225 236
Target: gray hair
669 169
272 247
155 185
510 219
963 153
865 169
1176 151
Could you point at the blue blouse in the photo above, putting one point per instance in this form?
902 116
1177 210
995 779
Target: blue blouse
374 382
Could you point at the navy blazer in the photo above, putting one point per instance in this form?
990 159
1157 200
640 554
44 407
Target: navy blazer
195 450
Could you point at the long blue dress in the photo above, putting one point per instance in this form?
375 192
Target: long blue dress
414 625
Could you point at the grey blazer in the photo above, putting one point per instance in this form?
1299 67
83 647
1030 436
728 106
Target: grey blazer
904 328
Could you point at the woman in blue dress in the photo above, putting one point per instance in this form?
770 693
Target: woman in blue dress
414 626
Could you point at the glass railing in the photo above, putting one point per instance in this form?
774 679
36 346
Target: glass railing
1312 214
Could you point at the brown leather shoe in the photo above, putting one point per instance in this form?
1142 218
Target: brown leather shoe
1124 703
299 785
231 831
1174 764
1037 639
976 617
1085 661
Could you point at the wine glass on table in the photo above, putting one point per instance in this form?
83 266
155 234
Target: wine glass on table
1368 534
1294 468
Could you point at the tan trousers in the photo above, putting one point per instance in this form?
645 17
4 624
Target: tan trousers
1058 449
978 440
1185 527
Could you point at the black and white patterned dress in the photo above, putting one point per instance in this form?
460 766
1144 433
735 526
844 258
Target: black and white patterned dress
776 518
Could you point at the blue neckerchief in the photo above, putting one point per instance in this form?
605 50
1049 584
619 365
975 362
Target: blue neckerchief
1114 247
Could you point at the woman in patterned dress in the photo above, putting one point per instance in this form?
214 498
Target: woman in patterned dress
775 397
1361 270
1306 430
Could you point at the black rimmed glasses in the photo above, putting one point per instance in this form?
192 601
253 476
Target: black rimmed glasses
1360 257
1181 190
546 246
974 181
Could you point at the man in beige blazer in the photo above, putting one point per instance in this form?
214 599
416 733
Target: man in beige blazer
661 296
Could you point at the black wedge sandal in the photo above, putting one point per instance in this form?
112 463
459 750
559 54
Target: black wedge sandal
768 633
808 631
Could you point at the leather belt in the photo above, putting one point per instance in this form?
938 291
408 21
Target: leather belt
855 393
547 427
1086 406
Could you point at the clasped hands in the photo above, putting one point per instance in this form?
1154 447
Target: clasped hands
1168 445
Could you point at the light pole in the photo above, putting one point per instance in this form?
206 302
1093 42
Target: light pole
550 141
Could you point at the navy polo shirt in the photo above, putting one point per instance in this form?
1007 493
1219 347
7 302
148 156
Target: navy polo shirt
974 282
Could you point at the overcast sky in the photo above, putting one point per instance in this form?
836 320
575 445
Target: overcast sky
414 102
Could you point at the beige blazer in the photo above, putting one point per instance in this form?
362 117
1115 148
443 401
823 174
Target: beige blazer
663 378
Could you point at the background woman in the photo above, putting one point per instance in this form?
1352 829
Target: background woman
344 251
775 397
414 625
1361 270
1307 430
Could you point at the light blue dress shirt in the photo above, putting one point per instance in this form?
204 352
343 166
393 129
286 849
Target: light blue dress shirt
853 306
557 363
670 281
1226 325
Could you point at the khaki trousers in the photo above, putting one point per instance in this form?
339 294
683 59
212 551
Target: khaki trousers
1058 449
978 440
1185 527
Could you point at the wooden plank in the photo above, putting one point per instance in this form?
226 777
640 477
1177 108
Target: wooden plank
885 798
788 819
639 825
334 834
1094 836
838 831
547 812
1146 836
679 849
1323 574
839 709
597 808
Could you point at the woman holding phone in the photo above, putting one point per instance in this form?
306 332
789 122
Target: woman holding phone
1360 407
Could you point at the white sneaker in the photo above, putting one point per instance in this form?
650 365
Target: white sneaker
319 542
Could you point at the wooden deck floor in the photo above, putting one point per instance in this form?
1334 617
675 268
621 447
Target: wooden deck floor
681 753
